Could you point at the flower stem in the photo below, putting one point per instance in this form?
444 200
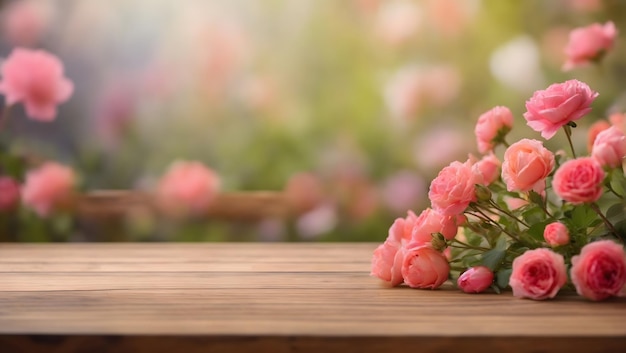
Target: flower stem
608 186
514 237
495 205
468 246
608 224
568 133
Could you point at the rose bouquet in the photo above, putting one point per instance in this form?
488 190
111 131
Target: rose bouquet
527 221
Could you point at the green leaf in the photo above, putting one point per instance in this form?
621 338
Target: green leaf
618 182
502 277
533 215
583 216
535 197
616 213
536 230
494 257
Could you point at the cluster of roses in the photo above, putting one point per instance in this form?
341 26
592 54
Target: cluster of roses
495 224
35 78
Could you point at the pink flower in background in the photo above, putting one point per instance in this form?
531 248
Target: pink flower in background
402 94
579 180
488 168
594 130
513 203
436 147
453 188
556 234
397 21
495 122
424 267
388 257
526 165
609 147
599 272
618 120
559 104
35 78
318 221
48 188
304 191
24 23
9 193
538 274
475 280
187 187
431 221
440 84
587 44
403 190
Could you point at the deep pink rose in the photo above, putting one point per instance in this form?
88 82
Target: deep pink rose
388 257
557 105
35 78
497 120
424 267
48 188
489 168
526 165
9 193
431 221
475 280
594 130
599 272
609 147
187 188
590 43
579 180
538 274
556 234
453 189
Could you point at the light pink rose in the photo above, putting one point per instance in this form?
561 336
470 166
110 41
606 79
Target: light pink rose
475 280
48 188
489 168
579 180
35 78
526 165
498 120
424 267
557 105
388 257
556 234
609 147
587 44
538 274
599 272
594 130
9 193
453 189
431 221
187 188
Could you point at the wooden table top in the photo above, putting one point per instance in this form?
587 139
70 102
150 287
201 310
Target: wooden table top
279 297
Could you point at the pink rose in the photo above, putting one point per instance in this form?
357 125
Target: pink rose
526 165
35 78
187 188
538 274
579 180
587 44
48 188
424 267
557 105
599 271
9 193
489 168
556 234
475 280
618 120
495 123
609 147
388 257
594 130
24 23
453 189
431 221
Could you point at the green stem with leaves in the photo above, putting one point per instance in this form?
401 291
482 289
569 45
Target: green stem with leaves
513 236
608 224
568 132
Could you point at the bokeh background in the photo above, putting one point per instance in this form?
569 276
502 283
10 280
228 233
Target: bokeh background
357 103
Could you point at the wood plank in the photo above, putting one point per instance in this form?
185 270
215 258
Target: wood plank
284 297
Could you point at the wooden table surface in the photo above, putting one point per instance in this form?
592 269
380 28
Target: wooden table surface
267 297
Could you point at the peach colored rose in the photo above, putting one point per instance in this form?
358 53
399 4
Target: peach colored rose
526 165
187 188
599 272
489 168
9 193
431 221
557 105
453 189
475 280
388 257
497 122
35 78
609 147
594 130
556 234
48 188
538 274
588 44
579 180
424 267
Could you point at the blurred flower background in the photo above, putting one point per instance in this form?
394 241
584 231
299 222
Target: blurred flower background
351 107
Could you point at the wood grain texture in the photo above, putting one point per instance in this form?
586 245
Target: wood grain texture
277 297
